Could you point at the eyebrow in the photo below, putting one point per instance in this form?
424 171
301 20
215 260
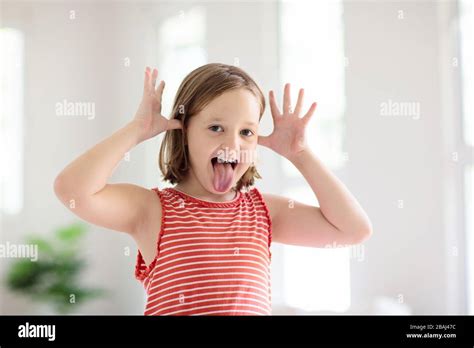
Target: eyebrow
218 119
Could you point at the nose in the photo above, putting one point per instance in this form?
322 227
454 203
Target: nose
231 145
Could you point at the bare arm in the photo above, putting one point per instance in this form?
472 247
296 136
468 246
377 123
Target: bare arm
82 186
337 204
339 219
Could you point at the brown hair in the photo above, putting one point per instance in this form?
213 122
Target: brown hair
196 91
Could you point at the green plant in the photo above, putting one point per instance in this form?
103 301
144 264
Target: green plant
54 277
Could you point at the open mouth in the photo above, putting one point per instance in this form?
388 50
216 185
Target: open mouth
216 160
223 175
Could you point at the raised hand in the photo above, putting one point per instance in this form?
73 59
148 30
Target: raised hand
148 115
288 136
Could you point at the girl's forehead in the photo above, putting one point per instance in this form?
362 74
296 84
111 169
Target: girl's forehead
232 105
234 116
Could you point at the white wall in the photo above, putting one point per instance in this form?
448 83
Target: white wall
399 158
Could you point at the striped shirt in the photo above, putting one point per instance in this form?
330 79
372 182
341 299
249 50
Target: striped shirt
213 258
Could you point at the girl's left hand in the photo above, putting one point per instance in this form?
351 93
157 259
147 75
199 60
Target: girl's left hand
288 136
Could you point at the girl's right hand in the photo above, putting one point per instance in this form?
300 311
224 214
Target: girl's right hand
148 116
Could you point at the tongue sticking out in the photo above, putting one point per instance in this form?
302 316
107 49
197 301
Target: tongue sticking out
223 173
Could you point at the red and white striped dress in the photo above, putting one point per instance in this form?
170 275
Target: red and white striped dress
213 258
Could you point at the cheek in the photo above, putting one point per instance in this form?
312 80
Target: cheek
249 153
200 148
193 147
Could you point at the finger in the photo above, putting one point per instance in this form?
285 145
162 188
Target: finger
146 82
159 89
299 102
159 94
273 105
306 118
154 75
286 99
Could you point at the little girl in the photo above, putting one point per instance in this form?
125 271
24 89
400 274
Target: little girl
204 244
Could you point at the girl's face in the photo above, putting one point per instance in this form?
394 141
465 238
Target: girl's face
226 129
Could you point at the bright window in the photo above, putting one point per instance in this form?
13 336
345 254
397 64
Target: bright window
11 121
315 279
181 50
312 57
467 57
466 16
469 180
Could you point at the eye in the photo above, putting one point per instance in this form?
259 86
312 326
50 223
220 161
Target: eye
247 134
213 128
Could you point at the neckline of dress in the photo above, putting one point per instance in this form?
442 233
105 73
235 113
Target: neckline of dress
235 201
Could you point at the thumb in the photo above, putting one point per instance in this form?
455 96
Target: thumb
174 124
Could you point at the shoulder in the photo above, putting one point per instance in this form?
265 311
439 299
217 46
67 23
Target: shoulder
275 203
272 203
